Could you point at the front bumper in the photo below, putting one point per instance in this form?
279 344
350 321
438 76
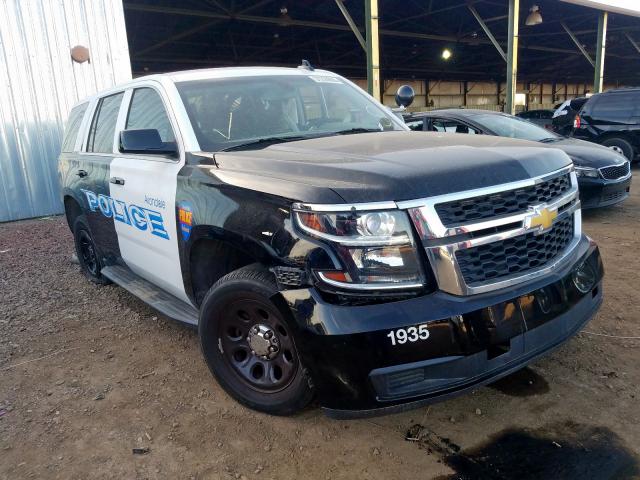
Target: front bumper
472 340
596 192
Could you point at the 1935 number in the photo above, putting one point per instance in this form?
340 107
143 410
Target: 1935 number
411 334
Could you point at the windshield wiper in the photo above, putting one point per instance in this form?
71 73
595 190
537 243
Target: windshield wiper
550 139
356 130
262 142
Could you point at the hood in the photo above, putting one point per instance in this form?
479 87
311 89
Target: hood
587 154
373 167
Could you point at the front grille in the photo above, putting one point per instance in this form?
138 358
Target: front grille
616 171
460 212
289 276
610 197
494 261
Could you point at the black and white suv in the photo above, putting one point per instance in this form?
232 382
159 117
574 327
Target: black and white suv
319 246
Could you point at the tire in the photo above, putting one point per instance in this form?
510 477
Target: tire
237 317
622 146
86 251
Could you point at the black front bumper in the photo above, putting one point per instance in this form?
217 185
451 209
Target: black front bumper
597 192
472 340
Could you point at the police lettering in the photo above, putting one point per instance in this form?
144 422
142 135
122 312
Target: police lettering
141 218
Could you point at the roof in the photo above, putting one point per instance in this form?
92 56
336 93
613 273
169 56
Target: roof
455 112
167 35
210 73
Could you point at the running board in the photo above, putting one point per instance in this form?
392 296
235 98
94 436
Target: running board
157 298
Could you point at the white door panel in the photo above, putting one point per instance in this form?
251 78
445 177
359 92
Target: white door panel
148 236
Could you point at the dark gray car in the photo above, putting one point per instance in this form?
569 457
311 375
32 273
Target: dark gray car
604 175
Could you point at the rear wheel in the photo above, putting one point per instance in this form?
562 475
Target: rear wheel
87 253
249 345
621 146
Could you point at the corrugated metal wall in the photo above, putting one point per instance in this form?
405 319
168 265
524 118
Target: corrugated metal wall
39 83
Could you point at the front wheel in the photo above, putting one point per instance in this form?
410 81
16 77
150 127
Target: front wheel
249 345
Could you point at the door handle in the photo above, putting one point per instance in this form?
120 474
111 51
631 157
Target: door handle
82 173
117 180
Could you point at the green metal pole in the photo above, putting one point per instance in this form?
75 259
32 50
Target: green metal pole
373 48
602 40
512 56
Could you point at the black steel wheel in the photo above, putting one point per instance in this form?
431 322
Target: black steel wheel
258 345
249 345
88 256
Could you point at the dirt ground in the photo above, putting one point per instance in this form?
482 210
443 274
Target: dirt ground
88 373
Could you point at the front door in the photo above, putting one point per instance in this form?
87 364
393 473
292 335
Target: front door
144 191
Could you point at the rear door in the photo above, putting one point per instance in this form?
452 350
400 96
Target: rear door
92 171
145 189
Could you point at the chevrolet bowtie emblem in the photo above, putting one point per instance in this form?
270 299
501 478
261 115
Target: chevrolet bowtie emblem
541 217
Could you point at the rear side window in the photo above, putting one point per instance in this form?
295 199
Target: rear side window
615 107
147 112
103 126
73 125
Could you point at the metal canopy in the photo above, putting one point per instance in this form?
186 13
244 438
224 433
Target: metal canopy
167 35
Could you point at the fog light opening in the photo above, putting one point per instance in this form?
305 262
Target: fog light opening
584 278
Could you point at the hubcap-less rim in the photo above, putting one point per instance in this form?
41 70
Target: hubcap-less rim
88 253
617 149
257 345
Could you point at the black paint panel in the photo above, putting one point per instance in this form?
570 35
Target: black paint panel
97 181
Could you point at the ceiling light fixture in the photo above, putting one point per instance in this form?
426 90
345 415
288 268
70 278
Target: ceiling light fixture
534 17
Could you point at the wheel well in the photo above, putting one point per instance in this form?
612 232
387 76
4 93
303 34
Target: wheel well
210 260
72 210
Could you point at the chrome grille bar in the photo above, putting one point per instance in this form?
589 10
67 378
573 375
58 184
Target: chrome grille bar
441 243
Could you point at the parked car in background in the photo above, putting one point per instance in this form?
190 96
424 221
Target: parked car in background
604 176
612 119
565 114
542 118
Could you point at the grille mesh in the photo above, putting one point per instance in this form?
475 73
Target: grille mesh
616 171
610 197
515 255
460 212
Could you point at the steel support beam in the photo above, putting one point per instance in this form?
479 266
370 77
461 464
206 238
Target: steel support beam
602 41
178 36
484 26
633 42
578 44
330 26
512 56
373 48
352 24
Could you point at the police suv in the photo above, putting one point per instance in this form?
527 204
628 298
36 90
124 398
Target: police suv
319 246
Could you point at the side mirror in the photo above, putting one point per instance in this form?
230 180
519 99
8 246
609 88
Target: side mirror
146 141
405 96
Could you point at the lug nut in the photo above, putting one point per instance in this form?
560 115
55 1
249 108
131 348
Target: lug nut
273 348
268 335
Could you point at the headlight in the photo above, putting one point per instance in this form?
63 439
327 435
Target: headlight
587 172
376 248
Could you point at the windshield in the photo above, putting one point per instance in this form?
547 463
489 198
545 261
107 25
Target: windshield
514 127
231 112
